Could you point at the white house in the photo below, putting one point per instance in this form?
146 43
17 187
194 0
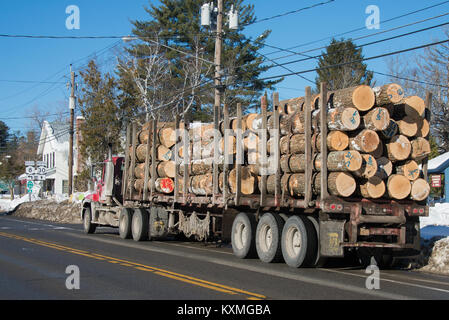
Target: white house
53 149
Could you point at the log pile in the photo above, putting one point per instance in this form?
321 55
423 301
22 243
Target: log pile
376 140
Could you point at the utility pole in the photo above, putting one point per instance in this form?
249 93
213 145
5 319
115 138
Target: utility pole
72 114
217 59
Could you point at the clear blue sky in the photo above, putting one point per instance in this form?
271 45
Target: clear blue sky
49 59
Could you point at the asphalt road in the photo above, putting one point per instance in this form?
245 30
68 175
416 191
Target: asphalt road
34 256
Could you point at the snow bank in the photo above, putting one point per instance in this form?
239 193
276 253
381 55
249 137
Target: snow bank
439 259
438 216
7 205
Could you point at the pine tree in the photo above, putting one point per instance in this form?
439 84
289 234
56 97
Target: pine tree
98 105
177 24
346 75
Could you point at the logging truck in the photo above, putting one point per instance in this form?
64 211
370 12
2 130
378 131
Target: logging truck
261 181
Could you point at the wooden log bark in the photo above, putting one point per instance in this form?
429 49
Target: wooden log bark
373 188
162 153
420 148
361 97
398 187
166 169
384 168
391 93
368 168
165 136
348 160
294 144
162 185
398 148
139 171
409 169
365 141
377 119
420 190
249 182
201 185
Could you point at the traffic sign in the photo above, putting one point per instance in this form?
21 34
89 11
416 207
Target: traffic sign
41 170
30 186
29 170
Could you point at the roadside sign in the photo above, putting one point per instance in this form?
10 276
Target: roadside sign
435 181
29 163
29 170
41 170
30 186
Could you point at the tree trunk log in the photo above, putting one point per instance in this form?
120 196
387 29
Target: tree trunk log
166 169
388 94
420 148
360 97
408 126
373 188
368 168
365 141
398 187
409 169
398 148
377 119
420 190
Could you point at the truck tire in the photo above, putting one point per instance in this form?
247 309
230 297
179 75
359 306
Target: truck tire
298 242
88 226
319 260
243 236
268 237
140 225
124 225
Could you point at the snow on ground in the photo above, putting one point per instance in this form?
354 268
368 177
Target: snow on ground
438 216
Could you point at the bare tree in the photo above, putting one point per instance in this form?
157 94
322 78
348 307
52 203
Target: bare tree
162 91
428 71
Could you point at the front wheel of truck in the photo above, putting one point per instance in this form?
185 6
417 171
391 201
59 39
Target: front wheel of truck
88 226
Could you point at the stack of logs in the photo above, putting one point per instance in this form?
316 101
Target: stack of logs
376 140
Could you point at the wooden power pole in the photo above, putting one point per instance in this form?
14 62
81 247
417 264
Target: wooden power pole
217 58
72 113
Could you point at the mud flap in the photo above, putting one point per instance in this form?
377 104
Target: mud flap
158 222
331 236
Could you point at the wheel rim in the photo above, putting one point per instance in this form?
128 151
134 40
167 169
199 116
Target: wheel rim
121 224
265 238
240 236
293 241
135 225
86 221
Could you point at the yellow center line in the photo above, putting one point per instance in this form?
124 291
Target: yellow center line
142 267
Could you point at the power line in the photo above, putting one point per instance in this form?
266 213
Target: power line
293 53
361 28
356 61
289 12
366 44
411 80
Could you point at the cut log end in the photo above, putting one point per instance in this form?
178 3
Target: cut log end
398 187
363 98
399 148
373 187
420 190
341 184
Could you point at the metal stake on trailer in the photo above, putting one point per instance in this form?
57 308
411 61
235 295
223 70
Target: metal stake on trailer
239 155
308 151
323 146
277 151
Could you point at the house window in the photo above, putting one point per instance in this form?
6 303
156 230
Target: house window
54 165
65 186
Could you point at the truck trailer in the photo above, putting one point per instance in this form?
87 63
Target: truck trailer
274 222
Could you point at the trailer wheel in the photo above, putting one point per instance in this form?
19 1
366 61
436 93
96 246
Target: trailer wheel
89 227
124 226
268 238
243 236
298 242
140 225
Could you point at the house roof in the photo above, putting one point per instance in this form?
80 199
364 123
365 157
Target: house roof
55 133
438 164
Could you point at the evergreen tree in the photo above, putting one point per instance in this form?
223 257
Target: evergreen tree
343 76
177 24
98 105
